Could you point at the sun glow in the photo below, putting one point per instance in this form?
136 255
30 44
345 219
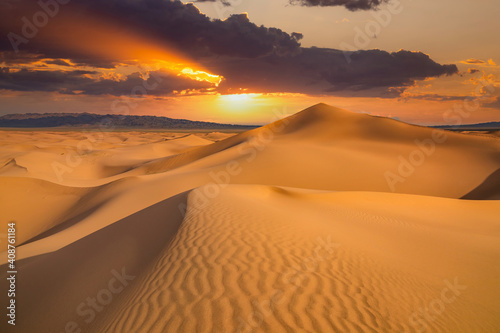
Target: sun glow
242 103
199 75
238 97
130 50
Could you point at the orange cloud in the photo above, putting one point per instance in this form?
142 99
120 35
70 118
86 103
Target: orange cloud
473 61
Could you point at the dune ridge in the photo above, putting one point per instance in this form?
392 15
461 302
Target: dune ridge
289 227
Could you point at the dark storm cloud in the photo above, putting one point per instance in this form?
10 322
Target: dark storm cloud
10 58
317 70
224 2
437 97
159 83
59 62
370 73
375 68
28 80
248 56
180 25
187 28
349 4
78 82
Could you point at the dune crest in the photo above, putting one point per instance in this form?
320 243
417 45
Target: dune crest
324 221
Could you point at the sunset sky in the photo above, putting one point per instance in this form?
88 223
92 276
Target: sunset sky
244 61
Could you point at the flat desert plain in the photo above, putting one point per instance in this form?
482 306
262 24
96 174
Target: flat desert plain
325 221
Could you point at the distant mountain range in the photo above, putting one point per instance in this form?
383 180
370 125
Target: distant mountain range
85 120
34 120
472 127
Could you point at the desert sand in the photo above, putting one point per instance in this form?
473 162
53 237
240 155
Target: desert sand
325 221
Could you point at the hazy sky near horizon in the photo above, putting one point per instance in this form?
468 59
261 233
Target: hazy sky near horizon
421 61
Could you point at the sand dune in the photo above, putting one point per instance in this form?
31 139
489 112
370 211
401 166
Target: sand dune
325 221
360 265
336 262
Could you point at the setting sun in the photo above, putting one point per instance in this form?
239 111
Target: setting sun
238 97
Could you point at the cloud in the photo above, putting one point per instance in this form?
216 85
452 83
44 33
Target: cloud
435 97
59 62
473 61
315 71
224 2
344 20
248 56
352 5
10 58
29 80
473 70
326 71
173 23
495 104
479 62
158 83
154 83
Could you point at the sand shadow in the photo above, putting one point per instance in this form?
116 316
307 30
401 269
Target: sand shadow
58 282
489 189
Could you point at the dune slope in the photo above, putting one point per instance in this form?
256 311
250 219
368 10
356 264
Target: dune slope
272 259
325 221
